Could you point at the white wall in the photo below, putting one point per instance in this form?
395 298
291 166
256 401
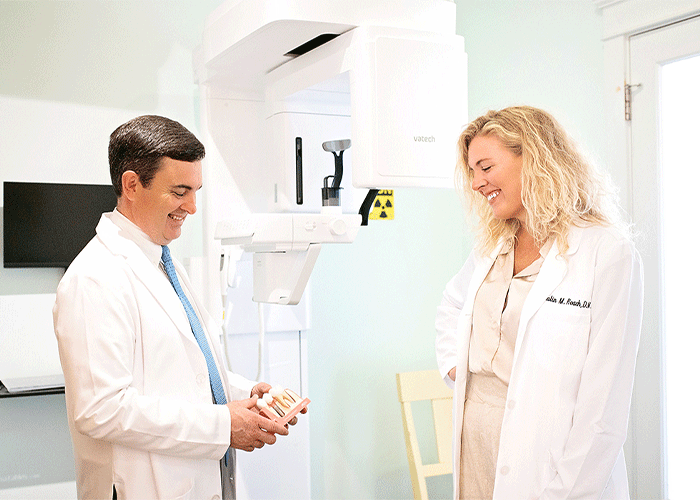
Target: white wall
70 72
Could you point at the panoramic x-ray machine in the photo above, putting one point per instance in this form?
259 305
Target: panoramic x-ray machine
383 82
308 108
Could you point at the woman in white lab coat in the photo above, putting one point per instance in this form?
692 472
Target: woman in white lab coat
538 332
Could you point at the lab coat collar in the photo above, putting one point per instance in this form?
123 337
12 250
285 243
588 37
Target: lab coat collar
551 274
124 238
153 251
574 238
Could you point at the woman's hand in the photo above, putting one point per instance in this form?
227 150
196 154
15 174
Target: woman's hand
452 373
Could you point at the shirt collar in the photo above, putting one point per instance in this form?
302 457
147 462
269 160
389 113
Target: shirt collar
508 247
535 267
131 231
506 257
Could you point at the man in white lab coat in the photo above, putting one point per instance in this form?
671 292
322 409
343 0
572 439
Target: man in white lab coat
139 391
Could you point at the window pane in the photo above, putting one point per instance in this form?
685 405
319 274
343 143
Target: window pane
680 180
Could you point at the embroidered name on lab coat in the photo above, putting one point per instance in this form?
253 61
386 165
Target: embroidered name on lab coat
583 304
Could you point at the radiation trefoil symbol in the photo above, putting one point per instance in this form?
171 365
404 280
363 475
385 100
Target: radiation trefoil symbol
383 208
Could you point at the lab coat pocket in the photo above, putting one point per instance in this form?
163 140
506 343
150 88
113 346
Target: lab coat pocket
547 472
178 489
118 485
560 337
173 478
187 495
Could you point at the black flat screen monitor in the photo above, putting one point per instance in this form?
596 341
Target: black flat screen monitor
47 225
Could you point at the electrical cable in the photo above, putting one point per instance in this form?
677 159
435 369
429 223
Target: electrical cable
225 335
261 340
367 205
224 262
338 176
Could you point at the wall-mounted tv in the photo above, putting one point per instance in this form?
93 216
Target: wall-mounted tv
47 225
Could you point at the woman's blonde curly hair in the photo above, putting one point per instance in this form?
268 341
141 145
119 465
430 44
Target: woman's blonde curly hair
559 186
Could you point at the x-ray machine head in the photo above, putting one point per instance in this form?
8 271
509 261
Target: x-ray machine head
309 107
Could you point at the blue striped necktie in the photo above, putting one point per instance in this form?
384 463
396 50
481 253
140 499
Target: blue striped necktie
216 387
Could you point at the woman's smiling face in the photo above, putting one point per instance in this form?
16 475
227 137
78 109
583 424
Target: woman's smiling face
497 176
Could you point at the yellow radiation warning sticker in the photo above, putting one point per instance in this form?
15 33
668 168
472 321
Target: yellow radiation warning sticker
383 207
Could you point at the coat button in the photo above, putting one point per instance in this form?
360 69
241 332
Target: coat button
511 404
216 497
201 378
505 470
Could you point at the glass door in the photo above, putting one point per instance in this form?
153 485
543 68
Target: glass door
665 129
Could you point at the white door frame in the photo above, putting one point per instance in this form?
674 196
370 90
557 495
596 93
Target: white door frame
622 19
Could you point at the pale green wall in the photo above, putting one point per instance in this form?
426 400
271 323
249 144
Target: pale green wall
373 302
545 53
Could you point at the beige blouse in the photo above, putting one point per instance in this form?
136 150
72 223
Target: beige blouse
499 302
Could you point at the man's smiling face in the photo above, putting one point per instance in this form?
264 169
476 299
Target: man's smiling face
161 208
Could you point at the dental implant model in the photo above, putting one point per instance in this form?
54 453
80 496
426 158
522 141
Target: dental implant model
281 405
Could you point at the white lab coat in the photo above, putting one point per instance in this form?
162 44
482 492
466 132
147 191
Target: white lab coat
573 369
137 387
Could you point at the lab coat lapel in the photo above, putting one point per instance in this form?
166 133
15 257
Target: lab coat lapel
551 274
150 276
211 326
162 290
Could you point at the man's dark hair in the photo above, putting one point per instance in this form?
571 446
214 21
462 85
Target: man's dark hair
139 145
